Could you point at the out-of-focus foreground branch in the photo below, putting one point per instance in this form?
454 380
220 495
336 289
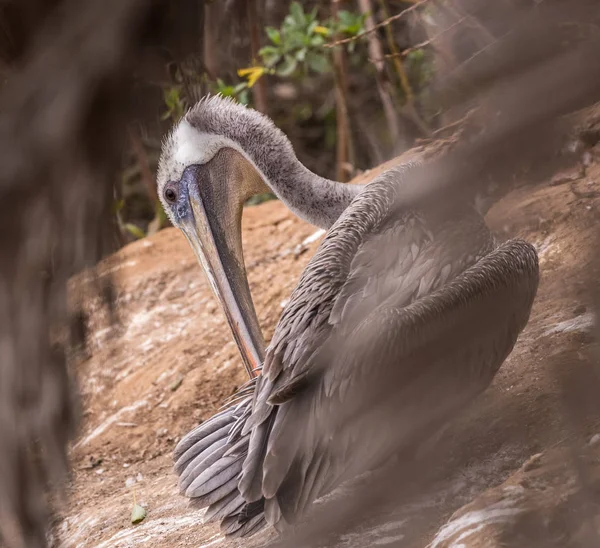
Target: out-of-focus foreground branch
64 111
527 84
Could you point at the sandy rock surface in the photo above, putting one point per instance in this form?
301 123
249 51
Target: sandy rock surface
547 503
171 362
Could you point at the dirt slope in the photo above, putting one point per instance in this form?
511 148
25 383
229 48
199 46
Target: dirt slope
172 362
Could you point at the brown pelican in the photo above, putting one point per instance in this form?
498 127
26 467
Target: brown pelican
406 301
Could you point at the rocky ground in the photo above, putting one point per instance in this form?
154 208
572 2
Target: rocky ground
515 460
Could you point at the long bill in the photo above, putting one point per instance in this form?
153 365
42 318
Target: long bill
214 233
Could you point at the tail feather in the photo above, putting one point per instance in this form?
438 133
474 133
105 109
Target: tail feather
253 528
203 430
251 510
219 473
235 433
251 481
229 505
233 529
238 448
201 463
209 463
202 445
272 511
216 497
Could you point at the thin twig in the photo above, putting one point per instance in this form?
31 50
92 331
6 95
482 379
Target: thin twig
409 105
383 87
420 45
379 25
453 125
143 163
460 14
398 65
259 91
345 145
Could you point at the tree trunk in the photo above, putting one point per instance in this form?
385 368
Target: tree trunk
259 90
376 56
345 160
209 40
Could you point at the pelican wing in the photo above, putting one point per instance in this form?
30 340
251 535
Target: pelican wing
381 248
396 298
403 372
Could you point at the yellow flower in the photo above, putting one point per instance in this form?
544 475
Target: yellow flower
322 30
252 73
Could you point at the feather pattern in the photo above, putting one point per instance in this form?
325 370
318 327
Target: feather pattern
363 302
407 310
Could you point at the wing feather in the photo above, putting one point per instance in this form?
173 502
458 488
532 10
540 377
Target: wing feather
382 289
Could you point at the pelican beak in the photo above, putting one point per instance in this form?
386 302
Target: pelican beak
210 218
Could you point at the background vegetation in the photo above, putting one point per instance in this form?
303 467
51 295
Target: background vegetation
350 82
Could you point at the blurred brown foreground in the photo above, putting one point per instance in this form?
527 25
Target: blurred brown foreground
169 363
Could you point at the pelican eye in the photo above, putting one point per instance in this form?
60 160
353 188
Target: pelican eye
170 195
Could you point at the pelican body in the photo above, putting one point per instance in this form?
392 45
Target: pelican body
402 317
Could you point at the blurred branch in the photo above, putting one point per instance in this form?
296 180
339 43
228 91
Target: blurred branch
142 160
385 23
486 37
62 129
345 144
376 54
259 90
409 107
420 45
209 41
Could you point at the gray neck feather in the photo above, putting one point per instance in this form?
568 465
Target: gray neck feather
315 199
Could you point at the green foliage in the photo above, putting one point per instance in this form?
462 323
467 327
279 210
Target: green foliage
135 231
349 25
138 514
238 92
160 219
299 46
419 67
175 104
260 198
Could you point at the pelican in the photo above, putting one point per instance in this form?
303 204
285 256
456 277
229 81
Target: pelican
402 317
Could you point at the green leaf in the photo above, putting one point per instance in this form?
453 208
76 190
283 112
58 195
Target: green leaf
137 514
244 97
260 198
317 40
295 39
268 50
317 62
416 55
346 18
135 231
288 23
289 66
300 55
119 205
274 35
176 384
270 56
160 214
297 13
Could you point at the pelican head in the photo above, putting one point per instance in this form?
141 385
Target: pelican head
204 178
217 156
